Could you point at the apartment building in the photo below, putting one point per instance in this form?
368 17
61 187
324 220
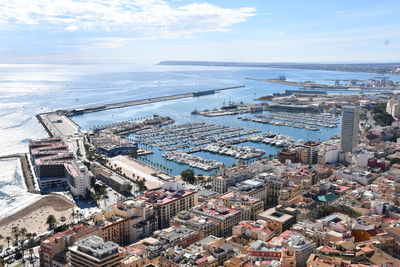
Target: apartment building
127 221
52 251
56 166
228 216
234 198
93 251
168 201
204 225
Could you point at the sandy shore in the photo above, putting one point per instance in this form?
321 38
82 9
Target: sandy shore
34 217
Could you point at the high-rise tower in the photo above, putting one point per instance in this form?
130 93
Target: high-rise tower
350 128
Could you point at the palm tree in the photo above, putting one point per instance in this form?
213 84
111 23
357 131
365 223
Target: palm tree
32 239
8 238
51 221
14 229
29 236
31 255
16 237
23 232
15 233
80 216
73 215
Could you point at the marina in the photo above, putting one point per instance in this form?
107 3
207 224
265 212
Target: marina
182 157
178 143
323 119
222 159
131 126
296 120
238 152
188 135
279 123
227 128
271 138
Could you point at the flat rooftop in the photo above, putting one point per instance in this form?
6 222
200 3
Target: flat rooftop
96 245
163 196
273 214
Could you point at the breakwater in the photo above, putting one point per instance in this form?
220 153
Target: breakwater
72 112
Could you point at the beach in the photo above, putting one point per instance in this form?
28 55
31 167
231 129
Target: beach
34 216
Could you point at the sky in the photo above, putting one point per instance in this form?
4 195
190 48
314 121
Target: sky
149 31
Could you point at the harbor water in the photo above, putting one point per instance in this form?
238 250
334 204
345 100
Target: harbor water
29 89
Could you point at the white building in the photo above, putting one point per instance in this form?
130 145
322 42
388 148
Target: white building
362 177
78 178
393 108
328 153
302 247
93 251
231 176
361 159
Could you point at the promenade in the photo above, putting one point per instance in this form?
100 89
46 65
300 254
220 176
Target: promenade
133 168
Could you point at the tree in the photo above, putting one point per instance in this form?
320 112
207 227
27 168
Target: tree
23 232
8 239
380 116
92 181
51 221
34 235
383 119
16 236
188 176
128 189
15 233
29 237
73 213
141 184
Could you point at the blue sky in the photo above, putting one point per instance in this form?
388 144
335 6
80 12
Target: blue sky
155 30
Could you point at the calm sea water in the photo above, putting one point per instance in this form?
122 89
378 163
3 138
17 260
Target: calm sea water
28 89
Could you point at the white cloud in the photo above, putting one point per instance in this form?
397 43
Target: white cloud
141 18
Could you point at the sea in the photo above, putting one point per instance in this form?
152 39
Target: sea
29 89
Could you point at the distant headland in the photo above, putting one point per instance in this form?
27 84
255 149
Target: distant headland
384 68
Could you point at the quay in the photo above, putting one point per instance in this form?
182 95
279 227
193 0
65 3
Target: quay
57 125
27 172
231 109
